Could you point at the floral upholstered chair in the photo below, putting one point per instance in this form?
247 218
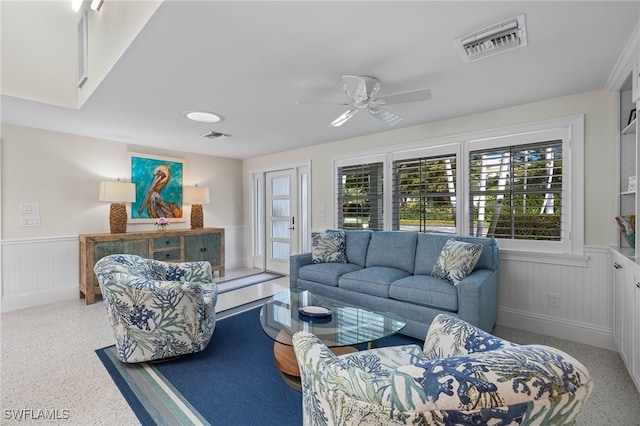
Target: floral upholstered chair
157 309
462 376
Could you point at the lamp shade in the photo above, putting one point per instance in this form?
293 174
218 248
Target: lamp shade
117 192
196 194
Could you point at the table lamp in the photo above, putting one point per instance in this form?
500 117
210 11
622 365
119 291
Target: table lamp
196 196
118 193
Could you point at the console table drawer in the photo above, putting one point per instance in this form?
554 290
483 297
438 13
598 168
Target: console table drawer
166 242
168 255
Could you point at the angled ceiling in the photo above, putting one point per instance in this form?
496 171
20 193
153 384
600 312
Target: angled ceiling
252 61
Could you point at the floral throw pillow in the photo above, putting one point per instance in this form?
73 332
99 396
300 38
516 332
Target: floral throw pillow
457 260
328 247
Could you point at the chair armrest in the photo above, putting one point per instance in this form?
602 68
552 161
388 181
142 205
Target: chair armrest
296 262
337 375
383 360
449 336
195 271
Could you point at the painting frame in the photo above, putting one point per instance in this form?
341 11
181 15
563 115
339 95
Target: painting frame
166 173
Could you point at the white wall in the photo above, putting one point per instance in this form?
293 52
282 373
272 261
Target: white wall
583 283
61 172
599 108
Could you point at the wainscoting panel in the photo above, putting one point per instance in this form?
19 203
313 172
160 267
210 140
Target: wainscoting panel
234 247
39 271
584 295
45 270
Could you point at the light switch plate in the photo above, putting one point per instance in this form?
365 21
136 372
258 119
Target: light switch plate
29 208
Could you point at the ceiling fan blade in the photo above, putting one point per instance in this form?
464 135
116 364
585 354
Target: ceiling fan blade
404 97
322 103
344 117
385 115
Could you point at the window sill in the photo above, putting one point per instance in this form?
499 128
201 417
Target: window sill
546 258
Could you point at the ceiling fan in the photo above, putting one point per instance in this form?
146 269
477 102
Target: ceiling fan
361 90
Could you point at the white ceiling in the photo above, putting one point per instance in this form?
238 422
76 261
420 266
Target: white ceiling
251 62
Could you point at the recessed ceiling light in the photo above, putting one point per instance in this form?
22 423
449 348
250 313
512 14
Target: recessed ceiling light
202 116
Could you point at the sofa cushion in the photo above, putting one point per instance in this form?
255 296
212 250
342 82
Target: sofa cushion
328 247
430 245
392 249
326 273
357 243
374 280
457 260
427 291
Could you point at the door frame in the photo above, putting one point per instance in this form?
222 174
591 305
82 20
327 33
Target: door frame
302 211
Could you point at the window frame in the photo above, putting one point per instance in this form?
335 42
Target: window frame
521 139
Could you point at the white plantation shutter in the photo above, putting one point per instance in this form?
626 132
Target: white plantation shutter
360 196
424 194
516 192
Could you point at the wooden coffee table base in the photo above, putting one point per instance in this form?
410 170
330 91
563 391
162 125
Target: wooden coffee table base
285 359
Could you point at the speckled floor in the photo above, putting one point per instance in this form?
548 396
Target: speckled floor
48 363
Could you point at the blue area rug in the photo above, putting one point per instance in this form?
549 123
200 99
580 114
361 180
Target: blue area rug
234 381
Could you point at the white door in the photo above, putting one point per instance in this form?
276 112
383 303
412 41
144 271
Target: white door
280 219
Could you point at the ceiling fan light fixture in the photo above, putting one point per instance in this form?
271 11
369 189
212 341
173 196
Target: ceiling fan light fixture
203 116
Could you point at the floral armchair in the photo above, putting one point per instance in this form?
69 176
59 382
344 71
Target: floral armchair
462 376
157 309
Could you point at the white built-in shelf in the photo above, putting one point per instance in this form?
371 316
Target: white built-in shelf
628 193
630 129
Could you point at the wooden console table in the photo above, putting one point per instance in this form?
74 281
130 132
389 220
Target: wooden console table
176 245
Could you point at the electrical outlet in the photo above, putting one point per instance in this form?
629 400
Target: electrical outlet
554 299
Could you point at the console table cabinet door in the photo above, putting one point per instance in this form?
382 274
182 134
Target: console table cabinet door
208 247
139 247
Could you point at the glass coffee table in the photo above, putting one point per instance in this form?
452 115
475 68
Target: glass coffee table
339 325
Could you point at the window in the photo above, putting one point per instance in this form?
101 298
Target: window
516 192
360 196
522 185
424 194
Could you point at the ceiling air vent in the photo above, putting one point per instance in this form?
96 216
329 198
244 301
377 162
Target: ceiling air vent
212 134
498 38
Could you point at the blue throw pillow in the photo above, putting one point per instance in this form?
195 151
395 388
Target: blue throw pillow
328 247
457 260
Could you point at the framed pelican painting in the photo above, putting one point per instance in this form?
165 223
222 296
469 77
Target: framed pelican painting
158 183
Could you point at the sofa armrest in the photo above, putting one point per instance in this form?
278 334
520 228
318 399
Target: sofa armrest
478 298
296 262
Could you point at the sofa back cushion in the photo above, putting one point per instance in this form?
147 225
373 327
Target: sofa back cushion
357 243
430 245
393 249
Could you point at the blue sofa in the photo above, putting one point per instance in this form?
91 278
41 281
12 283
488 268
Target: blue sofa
391 271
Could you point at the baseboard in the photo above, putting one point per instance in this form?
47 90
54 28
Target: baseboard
29 300
589 334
